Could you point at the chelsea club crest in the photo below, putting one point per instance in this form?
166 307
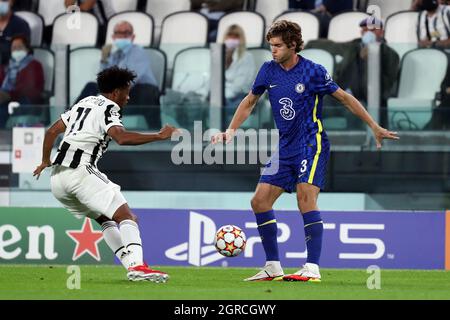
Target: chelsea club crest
300 87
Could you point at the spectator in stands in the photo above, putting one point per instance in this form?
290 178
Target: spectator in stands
24 5
22 80
417 4
125 54
433 28
10 25
351 72
214 10
239 68
353 69
102 9
433 31
302 4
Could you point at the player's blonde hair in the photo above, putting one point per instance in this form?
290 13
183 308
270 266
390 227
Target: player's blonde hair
289 32
236 30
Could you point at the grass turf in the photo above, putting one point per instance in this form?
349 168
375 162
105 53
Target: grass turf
206 283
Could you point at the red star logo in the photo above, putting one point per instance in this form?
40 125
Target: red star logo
87 240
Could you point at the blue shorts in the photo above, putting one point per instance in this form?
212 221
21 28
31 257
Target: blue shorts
308 167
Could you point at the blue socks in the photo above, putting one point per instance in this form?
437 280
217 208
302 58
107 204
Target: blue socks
313 235
267 227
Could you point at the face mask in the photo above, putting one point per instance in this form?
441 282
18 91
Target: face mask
4 8
369 37
429 5
122 44
232 43
18 55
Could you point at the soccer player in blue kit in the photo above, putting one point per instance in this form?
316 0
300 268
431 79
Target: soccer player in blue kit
296 87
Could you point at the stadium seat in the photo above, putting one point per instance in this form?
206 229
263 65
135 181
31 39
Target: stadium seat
390 7
122 6
269 9
260 56
320 56
158 65
81 33
36 23
84 64
35 116
142 24
262 114
400 31
307 21
134 122
180 31
50 9
326 59
252 23
23 120
189 76
345 26
47 59
420 80
159 10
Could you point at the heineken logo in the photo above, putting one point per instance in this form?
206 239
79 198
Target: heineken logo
51 236
86 241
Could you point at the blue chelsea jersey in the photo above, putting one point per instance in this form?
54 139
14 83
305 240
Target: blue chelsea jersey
296 99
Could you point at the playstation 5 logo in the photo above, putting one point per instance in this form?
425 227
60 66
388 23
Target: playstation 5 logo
200 249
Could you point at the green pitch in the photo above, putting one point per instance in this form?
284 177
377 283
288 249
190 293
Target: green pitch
186 283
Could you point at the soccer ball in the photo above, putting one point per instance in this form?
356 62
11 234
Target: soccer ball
230 240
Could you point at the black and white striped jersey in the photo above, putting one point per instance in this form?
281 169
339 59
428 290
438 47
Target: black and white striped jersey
86 136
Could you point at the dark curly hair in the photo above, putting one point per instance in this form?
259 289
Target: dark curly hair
289 32
114 78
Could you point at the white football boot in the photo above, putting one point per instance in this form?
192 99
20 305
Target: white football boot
272 271
309 272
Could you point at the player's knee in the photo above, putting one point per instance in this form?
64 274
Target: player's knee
124 213
134 217
306 202
102 219
259 204
130 216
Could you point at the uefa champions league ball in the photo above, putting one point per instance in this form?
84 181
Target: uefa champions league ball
230 240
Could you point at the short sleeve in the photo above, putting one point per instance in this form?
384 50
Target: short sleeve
260 83
324 82
65 117
112 117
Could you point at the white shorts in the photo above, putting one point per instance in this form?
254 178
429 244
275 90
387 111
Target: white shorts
86 192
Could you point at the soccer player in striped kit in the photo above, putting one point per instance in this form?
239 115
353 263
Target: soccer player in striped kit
296 87
76 182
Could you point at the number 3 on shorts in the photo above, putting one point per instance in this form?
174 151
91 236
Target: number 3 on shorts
303 166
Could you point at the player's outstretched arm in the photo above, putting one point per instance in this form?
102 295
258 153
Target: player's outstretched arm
243 111
50 136
358 109
128 138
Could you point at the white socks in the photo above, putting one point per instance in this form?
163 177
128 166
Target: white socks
112 238
131 239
